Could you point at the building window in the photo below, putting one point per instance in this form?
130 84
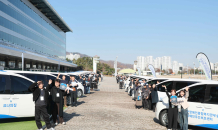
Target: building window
48 67
20 65
2 63
34 66
27 65
11 64
39 66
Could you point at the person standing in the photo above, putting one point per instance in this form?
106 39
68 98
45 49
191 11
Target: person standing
154 96
117 78
173 110
40 97
95 83
131 87
80 79
102 77
84 85
138 94
145 96
149 98
99 76
183 103
57 98
73 84
121 80
88 85
64 82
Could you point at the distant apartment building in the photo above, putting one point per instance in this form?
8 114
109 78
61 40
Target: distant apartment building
162 63
176 66
166 63
141 62
72 56
149 60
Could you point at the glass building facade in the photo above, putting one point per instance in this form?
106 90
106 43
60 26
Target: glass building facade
21 26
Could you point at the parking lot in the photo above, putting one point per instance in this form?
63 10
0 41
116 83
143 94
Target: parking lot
109 108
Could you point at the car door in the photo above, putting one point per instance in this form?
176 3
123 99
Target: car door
5 97
210 107
196 108
21 97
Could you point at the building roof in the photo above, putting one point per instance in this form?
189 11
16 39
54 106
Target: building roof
126 71
44 7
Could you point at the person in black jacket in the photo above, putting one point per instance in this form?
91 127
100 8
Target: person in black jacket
84 85
154 96
173 110
57 98
40 96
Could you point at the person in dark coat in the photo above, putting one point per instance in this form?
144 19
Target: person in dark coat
131 87
80 79
84 85
95 83
118 78
121 81
64 82
57 98
134 89
74 92
154 96
145 96
40 96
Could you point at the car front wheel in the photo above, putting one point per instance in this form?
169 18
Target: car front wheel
164 118
79 93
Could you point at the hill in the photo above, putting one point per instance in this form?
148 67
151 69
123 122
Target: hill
110 62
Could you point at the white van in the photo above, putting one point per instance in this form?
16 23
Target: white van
174 83
15 99
203 105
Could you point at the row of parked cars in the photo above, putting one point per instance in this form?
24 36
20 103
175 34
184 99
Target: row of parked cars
203 99
16 100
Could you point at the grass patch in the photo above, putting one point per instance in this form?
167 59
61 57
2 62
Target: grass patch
21 125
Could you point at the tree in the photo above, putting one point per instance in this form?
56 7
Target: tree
157 70
86 63
170 71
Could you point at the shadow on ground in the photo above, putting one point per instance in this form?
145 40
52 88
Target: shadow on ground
17 119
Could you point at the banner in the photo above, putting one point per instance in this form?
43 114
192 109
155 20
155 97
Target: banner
205 65
151 67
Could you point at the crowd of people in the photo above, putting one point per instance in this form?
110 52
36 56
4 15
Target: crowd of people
146 96
59 93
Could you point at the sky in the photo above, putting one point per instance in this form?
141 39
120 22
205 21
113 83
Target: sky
131 28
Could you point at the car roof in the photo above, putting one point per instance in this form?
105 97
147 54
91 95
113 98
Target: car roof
14 74
191 80
143 77
32 72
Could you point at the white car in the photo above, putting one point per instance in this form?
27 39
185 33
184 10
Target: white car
174 83
15 99
203 105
